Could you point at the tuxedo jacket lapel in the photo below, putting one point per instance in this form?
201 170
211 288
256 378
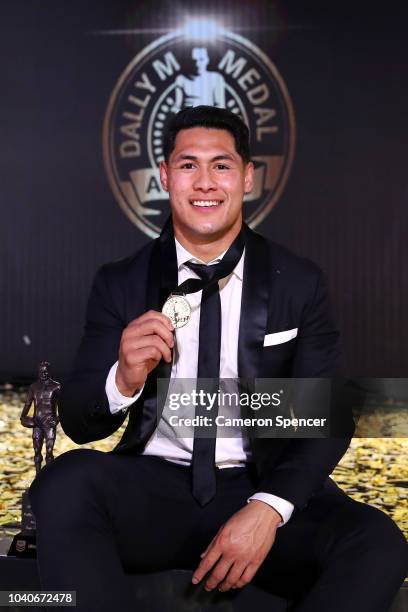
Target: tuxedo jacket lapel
256 294
162 279
254 305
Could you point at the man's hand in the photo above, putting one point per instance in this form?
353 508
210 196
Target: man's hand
239 547
145 341
27 421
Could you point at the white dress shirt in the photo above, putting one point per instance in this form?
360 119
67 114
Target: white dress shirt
231 451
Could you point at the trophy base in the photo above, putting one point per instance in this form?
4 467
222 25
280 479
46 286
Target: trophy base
23 546
24 543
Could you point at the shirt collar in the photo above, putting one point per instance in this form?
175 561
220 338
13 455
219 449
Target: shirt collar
183 256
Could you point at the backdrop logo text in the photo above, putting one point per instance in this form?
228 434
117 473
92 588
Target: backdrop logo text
183 69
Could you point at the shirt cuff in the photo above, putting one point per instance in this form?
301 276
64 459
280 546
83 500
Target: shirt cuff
284 507
117 401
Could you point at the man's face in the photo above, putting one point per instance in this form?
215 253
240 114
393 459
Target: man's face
43 373
206 179
200 56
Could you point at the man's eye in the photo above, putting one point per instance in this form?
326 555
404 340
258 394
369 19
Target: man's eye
221 167
187 166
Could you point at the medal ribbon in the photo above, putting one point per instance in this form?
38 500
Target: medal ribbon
214 271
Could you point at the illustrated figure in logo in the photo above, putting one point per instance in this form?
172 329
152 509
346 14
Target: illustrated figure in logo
205 87
44 393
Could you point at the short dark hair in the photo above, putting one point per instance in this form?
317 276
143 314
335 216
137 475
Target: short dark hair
208 117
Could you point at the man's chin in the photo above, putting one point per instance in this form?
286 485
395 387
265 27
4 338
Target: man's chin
209 231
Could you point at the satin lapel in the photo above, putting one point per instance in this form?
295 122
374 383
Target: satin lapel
168 282
254 305
162 279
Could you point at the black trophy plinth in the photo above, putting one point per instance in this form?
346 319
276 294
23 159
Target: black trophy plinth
24 542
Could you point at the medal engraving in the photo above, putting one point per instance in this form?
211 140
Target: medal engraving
177 308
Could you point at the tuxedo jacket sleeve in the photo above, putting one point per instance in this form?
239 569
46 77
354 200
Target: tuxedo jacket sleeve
116 298
303 465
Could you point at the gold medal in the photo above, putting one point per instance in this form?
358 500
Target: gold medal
177 308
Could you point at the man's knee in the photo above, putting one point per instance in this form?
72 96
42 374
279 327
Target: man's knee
392 542
381 537
62 484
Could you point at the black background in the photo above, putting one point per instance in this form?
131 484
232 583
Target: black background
345 204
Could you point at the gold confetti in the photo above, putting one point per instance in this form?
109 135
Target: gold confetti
374 470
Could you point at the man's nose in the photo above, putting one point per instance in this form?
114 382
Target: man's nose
204 180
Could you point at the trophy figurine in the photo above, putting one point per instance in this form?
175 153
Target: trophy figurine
44 393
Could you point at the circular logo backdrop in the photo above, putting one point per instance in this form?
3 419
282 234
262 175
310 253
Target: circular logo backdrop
186 68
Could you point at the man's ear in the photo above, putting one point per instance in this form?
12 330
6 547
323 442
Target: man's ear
249 177
164 179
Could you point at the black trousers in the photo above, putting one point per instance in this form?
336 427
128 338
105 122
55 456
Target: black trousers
102 515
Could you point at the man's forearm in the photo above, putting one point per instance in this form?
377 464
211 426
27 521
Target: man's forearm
303 468
84 410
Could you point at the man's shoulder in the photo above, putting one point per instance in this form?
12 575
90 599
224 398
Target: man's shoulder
284 261
55 384
134 264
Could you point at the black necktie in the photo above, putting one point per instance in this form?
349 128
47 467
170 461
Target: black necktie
203 460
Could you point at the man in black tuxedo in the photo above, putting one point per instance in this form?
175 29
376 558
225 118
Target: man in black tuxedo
234 510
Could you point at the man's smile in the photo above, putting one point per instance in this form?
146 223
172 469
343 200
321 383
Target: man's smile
206 203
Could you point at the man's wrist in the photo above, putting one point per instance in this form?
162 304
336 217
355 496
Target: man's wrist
127 391
284 507
123 388
276 517
116 400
